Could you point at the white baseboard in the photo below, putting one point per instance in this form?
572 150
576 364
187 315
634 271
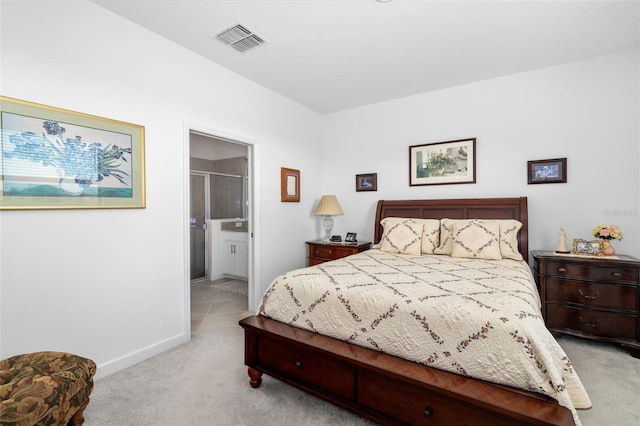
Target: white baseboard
214 277
125 361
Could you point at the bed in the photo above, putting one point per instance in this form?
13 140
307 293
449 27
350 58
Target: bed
392 377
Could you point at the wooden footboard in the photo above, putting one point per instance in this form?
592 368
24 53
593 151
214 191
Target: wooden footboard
384 388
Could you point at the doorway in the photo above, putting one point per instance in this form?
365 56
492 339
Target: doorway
219 202
213 143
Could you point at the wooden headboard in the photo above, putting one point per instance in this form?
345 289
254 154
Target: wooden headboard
478 208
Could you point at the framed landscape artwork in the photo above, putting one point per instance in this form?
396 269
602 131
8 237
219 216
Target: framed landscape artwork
52 158
441 163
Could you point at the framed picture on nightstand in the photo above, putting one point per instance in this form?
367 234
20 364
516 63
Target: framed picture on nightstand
350 238
589 248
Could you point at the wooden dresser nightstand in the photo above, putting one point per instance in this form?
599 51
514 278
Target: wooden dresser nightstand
596 298
320 252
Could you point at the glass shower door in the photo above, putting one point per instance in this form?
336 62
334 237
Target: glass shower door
198 226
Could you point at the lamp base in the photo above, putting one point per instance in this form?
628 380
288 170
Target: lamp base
327 225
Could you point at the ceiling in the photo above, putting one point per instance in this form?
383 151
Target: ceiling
331 55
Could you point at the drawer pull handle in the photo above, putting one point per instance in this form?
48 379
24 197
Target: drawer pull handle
595 296
589 324
428 412
299 364
562 270
616 274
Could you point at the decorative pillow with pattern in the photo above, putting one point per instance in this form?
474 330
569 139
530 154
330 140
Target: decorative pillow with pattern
476 239
509 229
430 235
401 235
446 235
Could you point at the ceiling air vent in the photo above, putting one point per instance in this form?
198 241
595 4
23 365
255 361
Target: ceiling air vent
240 38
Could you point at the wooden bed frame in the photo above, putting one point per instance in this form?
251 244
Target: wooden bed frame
387 389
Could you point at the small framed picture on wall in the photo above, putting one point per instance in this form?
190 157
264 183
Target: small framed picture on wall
547 171
289 185
367 182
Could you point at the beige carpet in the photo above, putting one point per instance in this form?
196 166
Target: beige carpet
204 383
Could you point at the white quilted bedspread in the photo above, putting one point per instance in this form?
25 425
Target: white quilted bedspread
477 318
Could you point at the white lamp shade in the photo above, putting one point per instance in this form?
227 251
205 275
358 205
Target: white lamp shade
329 206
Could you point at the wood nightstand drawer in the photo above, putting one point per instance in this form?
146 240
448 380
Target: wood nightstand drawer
592 294
325 252
307 365
597 323
599 273
320 252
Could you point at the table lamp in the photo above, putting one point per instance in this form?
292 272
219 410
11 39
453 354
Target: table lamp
328 206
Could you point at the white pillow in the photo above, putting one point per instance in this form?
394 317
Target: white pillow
476 239
509 229
401 235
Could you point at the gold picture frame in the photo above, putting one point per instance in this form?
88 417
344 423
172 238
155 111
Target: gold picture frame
587 248
53 158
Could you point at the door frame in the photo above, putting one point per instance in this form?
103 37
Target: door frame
253 213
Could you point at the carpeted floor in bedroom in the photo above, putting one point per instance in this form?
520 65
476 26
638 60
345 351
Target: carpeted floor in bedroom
204 382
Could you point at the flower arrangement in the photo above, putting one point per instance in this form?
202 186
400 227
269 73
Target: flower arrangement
83 162
439 161
604 232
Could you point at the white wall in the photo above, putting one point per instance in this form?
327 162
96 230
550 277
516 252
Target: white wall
111 284
586 111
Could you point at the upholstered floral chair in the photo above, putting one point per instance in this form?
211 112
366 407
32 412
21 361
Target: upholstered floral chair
45 388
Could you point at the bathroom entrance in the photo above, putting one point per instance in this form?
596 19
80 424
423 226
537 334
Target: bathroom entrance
219 199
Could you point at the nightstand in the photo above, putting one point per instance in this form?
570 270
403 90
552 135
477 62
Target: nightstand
320 252
595 298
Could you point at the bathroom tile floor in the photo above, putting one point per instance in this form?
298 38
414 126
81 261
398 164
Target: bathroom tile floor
208 302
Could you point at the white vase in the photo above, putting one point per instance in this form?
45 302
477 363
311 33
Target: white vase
69 185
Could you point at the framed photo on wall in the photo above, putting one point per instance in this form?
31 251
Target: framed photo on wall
547 171
367 182
289 185
53 158
441 163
